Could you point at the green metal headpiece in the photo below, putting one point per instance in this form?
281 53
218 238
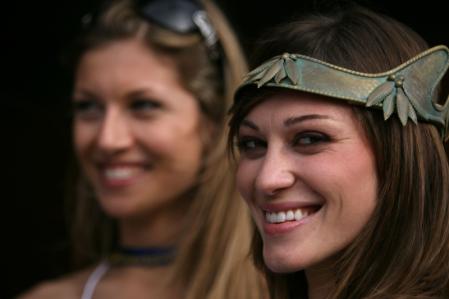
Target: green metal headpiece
407 89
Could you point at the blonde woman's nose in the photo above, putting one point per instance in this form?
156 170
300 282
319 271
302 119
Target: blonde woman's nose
115 132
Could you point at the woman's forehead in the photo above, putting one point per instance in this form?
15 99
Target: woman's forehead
300 103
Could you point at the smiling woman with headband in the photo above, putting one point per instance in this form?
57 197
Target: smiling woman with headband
340 132
155 211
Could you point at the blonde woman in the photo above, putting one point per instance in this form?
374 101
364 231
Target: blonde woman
155 211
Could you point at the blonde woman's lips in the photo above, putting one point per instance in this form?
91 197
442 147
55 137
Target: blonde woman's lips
121 175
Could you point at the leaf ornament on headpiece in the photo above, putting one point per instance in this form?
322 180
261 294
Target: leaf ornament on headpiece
390 93
407 90
278 68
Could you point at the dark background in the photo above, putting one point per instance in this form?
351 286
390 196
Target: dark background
35 130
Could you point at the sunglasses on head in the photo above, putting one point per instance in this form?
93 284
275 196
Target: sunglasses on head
179 16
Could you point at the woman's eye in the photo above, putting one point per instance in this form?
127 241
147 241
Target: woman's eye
310 138
143 105
87 108
251 146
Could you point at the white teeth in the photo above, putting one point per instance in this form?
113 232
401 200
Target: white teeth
268 217
290 215
118 173
280 217
298 215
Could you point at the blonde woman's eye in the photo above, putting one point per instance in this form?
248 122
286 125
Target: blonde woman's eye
87 109
145 105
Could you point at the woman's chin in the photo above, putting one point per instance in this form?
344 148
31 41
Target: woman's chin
119 209
282 262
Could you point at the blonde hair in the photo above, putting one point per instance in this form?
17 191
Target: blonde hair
213 255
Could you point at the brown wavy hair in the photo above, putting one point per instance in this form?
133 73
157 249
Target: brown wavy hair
403 251
213 254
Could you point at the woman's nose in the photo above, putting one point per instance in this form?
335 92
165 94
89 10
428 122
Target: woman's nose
115 133
275 174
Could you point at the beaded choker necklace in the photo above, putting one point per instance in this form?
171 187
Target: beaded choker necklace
145 256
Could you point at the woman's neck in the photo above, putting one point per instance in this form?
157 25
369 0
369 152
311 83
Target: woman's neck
133 281
320 281
159 228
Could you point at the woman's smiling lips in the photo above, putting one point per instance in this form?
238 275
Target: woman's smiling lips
279 218
121 174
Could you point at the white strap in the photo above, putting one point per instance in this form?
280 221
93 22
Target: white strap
93 280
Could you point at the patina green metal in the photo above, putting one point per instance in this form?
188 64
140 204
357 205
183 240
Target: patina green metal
407 89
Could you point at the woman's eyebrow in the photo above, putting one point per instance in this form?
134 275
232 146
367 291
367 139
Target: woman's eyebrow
297 119
249 124
83 92
141 92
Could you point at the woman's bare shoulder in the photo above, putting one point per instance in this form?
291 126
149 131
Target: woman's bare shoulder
67 287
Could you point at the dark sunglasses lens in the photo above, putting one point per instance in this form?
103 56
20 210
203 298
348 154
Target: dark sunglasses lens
175 15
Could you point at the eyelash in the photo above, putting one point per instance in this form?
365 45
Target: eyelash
243 144
314 138
306 141
145 105
91 108
86 108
